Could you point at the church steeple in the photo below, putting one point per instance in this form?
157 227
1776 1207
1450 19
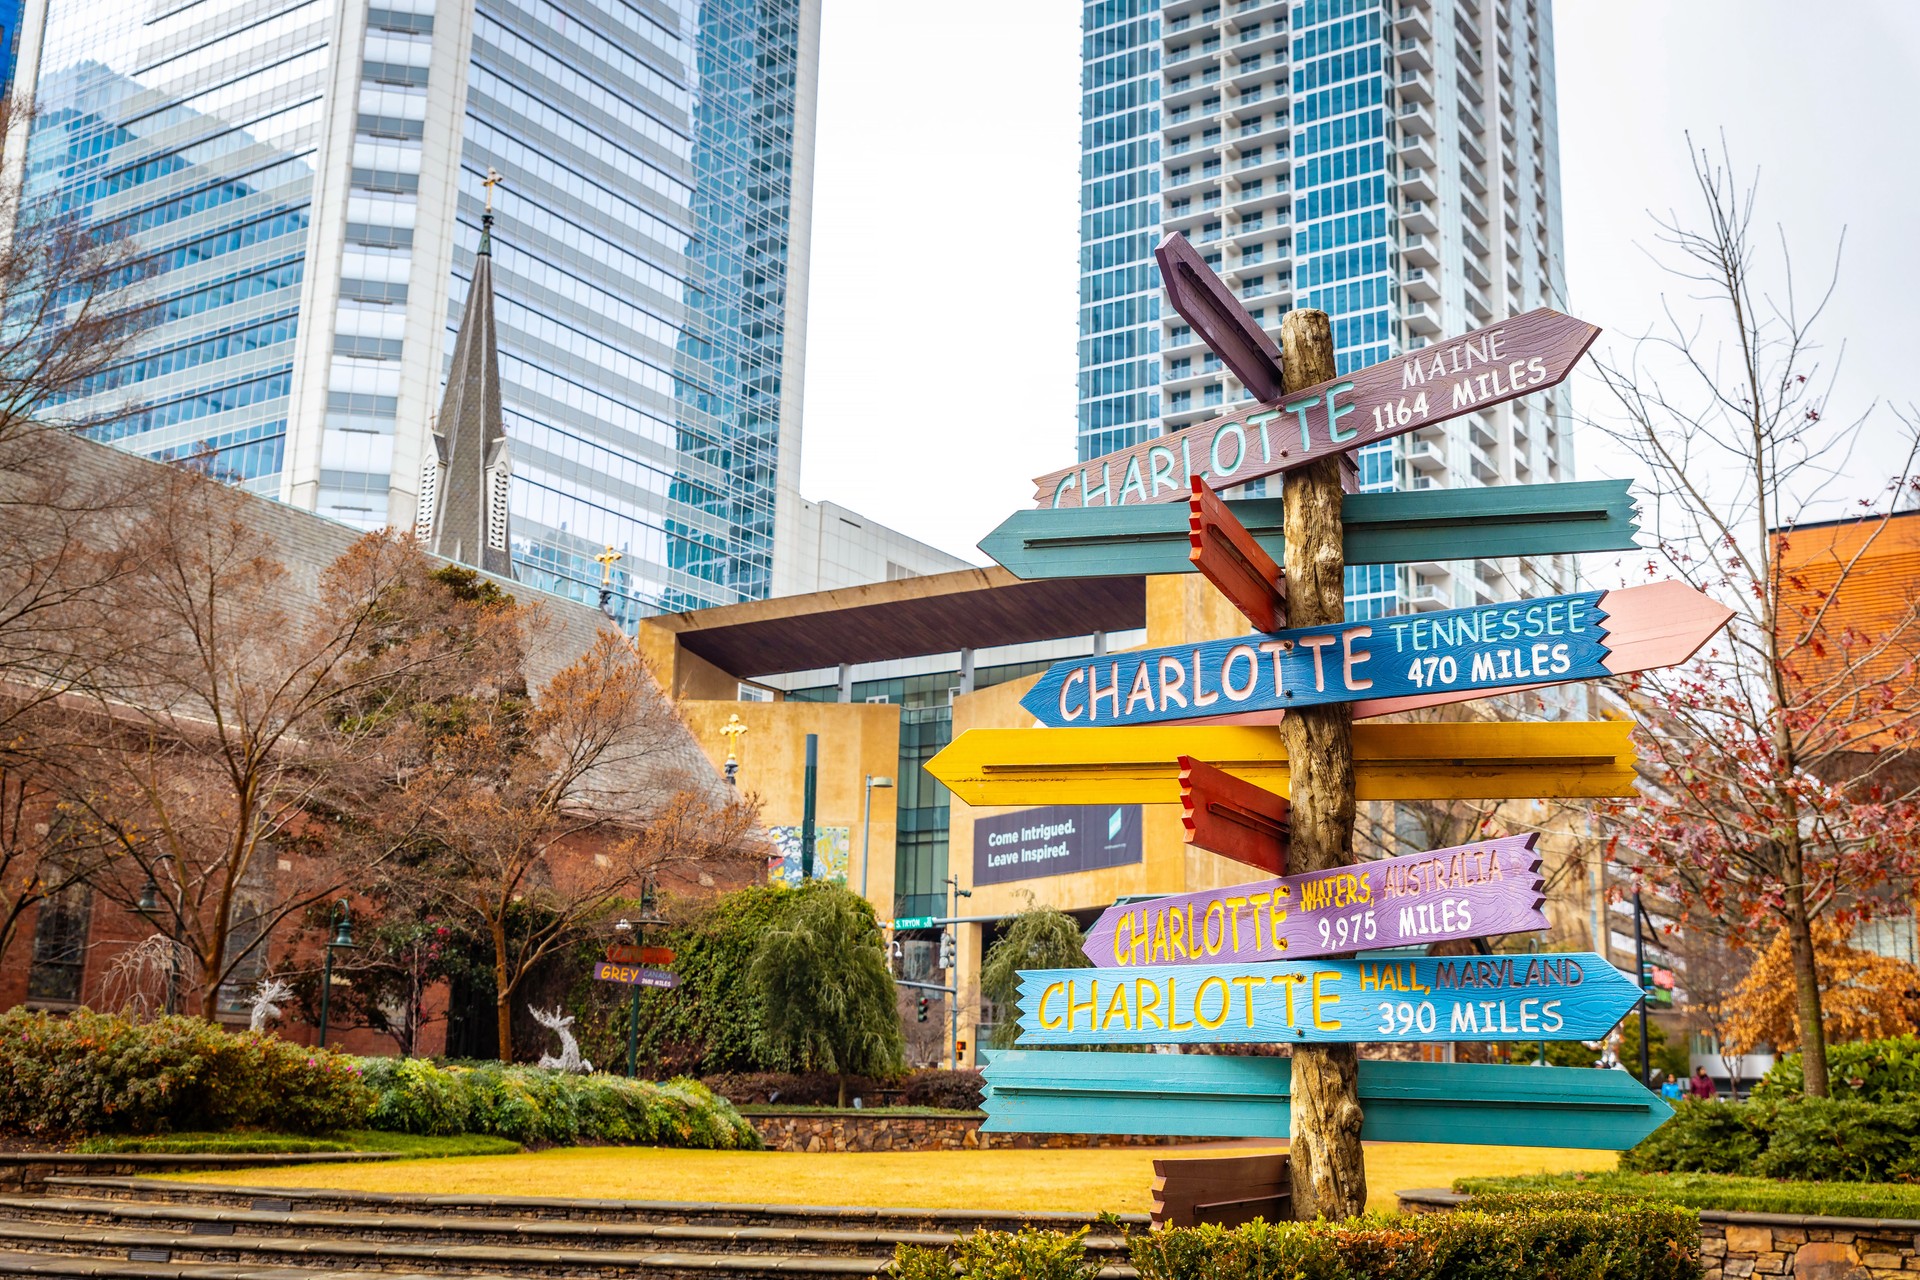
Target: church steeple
464 487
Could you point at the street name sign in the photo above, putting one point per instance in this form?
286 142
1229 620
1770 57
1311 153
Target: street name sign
1403 660
1472 891
1402 527
1196 1096
1458 376
1141 765
913 922
1555 996
634 975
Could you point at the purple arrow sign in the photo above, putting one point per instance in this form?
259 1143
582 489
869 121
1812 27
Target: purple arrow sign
1472 891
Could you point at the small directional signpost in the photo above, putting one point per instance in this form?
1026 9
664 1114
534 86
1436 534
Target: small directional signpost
1255 738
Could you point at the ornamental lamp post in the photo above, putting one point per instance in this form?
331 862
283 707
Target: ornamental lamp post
341 919
866 830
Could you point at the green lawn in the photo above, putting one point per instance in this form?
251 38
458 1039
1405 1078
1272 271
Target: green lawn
1117 1178
296 1144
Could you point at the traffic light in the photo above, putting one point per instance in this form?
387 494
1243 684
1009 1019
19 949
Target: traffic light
946 950
923 1009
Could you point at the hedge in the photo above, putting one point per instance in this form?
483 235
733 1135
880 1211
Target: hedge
550 1108
1727 1191
1797 1138
1554 1236
95 1073
1870 1070
946 1090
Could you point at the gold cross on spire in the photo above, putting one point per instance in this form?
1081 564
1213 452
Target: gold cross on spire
492 180
732 730
607 560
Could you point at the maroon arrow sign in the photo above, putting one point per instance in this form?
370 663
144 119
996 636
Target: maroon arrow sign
1472 891
1486 367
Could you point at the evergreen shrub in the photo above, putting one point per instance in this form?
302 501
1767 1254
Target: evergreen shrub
96 1073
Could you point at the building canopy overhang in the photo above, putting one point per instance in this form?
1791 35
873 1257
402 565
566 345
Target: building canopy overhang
908 618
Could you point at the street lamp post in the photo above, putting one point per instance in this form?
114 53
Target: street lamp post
953 1009
649 914
341 919
866 830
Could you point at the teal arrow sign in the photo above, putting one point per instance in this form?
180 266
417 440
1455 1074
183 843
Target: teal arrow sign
1177 1095
1381 528
1565 996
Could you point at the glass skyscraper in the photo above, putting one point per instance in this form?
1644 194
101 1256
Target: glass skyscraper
306 180
1395 164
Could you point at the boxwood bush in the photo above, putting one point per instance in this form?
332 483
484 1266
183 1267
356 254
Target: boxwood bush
1534 1236
550 1108
94 1073
1871 1070
1798 1138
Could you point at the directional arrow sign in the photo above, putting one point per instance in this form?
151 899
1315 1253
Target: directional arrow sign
1395 662
634 975
1190 1095
1527 353
1380 528
1536 759
1473 891
1574 996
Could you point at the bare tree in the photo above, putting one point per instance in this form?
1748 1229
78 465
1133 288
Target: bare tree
249 719
1777 792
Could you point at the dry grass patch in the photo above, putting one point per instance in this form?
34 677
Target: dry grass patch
1116 1178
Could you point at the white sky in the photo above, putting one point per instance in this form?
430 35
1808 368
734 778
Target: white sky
941 335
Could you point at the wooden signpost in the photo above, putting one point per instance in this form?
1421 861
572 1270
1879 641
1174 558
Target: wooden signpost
1279 961
1570 996
1334 415
1379 528
1203 1096
1475 761
1394 663
1473 891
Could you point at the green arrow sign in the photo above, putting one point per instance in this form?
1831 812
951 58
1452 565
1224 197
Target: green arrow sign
1036 1091
1381 528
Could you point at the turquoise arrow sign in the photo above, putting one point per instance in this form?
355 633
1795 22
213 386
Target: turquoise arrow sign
1180 1095
1381 528
1573 996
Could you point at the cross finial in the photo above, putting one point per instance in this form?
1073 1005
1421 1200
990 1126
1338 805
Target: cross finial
607 559
492 180
732 730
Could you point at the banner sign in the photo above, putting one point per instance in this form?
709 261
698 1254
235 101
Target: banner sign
1474 891
1055 841
1572 996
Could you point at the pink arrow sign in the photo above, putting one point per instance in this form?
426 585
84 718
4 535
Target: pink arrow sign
1472 891
1529 352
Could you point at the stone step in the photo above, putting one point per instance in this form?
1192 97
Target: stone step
254 1255
191 1219
548 1209
68 1265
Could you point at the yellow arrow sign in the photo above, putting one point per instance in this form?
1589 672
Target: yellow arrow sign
1141 764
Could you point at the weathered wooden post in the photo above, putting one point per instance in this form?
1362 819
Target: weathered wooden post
1329 1171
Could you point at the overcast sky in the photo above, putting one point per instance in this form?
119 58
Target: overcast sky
940 362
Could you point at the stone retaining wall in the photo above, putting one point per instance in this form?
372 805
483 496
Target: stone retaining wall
852 1131
1735 1246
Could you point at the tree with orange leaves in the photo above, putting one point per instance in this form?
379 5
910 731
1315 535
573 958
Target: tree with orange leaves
1864 995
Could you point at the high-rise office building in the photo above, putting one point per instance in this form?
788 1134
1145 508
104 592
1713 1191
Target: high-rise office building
306 182
1394 163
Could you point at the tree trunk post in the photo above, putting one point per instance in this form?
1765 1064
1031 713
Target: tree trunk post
1806 978
1328 1170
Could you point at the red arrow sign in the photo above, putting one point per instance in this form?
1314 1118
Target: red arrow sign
1486 367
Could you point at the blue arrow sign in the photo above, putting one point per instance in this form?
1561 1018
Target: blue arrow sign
1190 1095
1547 640
1571 996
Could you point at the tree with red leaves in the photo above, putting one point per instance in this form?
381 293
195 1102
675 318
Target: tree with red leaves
1780 794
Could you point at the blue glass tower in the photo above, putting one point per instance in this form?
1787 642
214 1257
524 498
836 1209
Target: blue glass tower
308 186
1394 163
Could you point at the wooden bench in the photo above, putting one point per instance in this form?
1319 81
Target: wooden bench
1227 1190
